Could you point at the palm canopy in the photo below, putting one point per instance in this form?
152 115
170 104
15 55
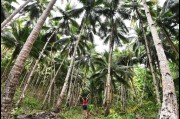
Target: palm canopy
16 38
118 70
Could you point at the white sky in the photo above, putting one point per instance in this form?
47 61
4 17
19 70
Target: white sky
100 47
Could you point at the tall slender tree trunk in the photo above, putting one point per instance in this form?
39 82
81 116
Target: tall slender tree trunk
150 60
54 86
77 94
108 85
13 14
70 90
169 109
26 74
41 82
6 103
59 102
49 100
55 92
73 102
40 76
105 95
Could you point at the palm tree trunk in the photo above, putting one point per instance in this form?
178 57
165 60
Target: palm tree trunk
35 85
73 102
41 82
59 102
169 107
109 70
49 100
55 90
105 95
77 96
150 60
26 74
19 63
108 86
13 14
70 90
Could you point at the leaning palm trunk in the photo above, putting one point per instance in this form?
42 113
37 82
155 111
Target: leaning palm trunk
52 81
77 96
13 14
169 107
59 101
55 92
74 91
32 72
14 75
150 60
69 91
26 74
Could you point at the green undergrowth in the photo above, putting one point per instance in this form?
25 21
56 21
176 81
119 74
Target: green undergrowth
31 105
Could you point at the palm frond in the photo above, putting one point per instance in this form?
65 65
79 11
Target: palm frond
75 13
74 23
121 80
124 13
123 38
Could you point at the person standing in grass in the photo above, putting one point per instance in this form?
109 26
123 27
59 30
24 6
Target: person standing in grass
85 105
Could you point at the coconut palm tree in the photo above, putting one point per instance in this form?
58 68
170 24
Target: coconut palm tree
118 71
169 107
19 63
116 29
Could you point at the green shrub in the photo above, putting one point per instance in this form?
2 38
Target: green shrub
131 116
114 116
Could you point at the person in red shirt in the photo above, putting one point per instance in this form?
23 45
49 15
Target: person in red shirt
85 106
